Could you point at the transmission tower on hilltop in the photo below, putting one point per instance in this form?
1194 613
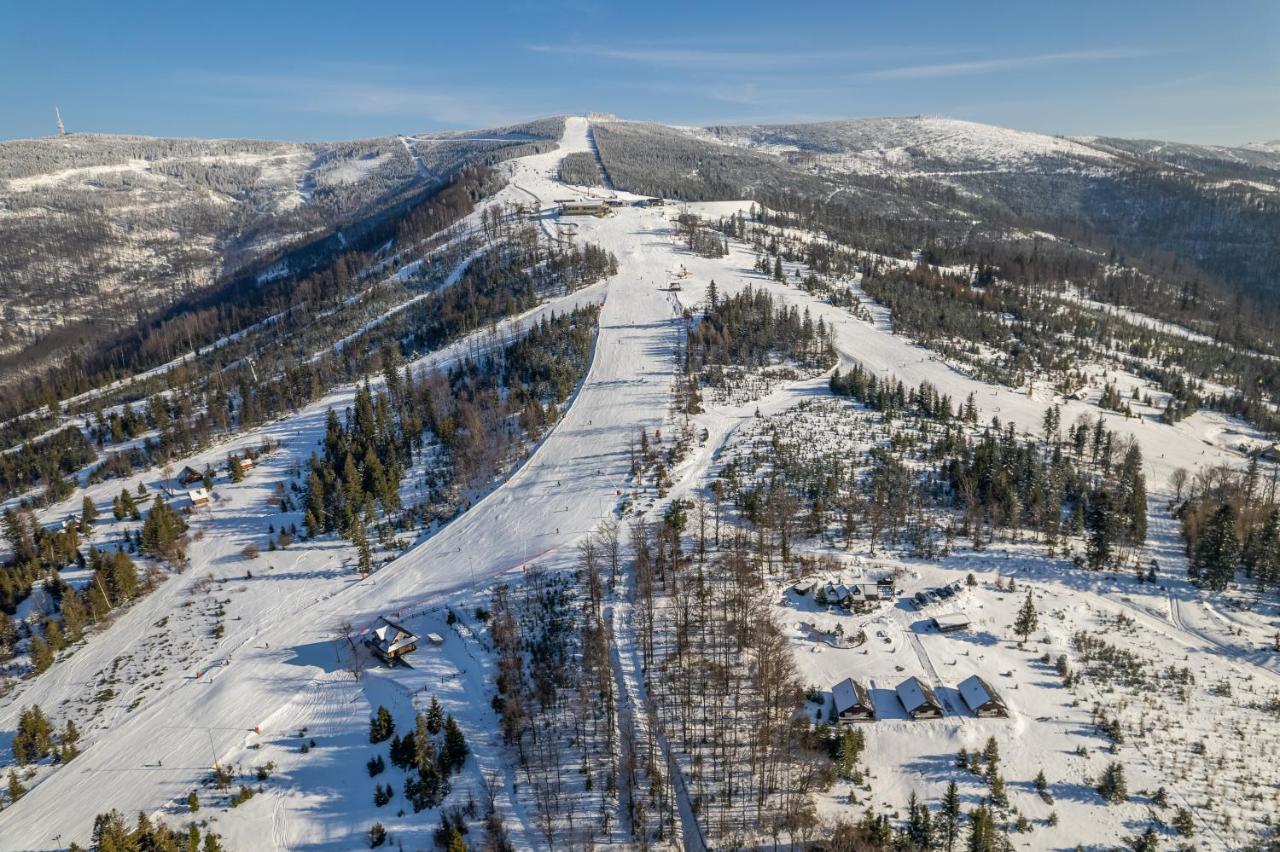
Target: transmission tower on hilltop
62 131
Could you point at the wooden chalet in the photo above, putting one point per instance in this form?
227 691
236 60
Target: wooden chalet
199 497
919 700
853 702
189 475
391 641
981 698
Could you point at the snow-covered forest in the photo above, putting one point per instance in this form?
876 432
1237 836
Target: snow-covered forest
597 484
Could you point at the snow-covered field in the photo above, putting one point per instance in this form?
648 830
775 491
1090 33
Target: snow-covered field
278 668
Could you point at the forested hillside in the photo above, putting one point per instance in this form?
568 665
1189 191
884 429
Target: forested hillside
101 231
1203 222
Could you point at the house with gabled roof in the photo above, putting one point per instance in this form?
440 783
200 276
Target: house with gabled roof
853 702
391 641
981 698
919 700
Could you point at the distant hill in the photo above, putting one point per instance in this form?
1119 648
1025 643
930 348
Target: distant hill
1207 216
100 230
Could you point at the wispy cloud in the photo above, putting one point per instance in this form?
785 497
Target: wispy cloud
1006 63
727 60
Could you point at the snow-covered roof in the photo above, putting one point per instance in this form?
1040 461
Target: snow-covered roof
392 637
952 620
198 495
849 694
977 693
916 694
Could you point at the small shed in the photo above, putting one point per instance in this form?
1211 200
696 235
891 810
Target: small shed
853 702
244 463
981 698
189 475
918 699
951 622
199 496
435 639
391 641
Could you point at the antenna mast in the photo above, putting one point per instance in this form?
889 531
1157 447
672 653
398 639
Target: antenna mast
62 131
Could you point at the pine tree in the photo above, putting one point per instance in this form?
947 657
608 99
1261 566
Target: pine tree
919 828
991 751
1112 786
111 833
1103 529
1217 551
1267 567
364 557
193 802
1027 620
41 655
381 726
424 753
995 783
1134 500
88 514
984 836
453 754
435 716
15 787
950 817
1148 841
74 615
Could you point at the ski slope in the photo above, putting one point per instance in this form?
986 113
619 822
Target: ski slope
282 673
280 651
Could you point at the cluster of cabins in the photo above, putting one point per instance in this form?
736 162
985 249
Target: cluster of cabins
853 596
853 700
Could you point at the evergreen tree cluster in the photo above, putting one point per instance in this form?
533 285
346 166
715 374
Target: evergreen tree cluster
112 833
924 456
750 329
432 752
1231 524
44 463
476 412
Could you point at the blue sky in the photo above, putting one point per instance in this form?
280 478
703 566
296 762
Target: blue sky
1199 72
